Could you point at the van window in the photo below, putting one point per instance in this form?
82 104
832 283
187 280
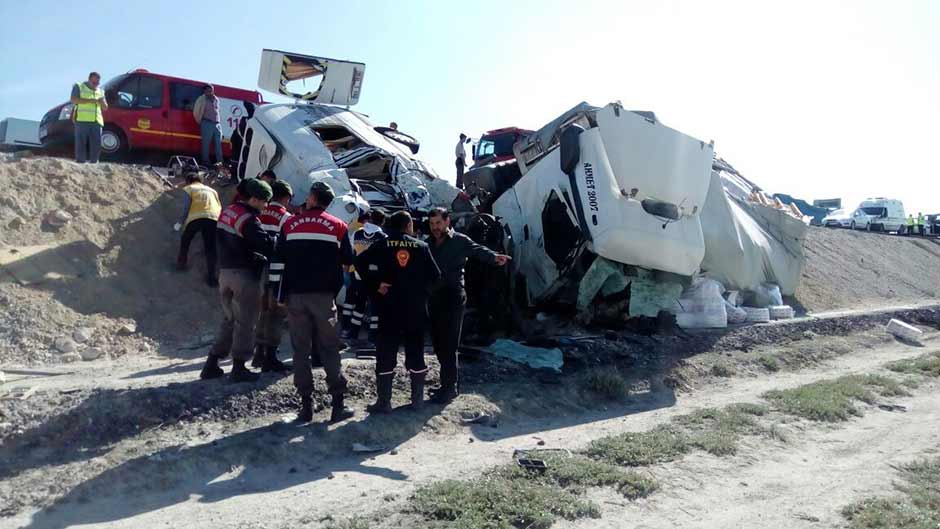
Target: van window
876 212
138 92
183 96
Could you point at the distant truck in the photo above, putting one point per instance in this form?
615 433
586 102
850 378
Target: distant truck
18 134
154 111
879 214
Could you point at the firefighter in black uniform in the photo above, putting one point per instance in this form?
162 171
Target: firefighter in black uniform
243 247
403 269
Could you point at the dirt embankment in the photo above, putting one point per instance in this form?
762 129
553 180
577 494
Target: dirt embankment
861 270
92 246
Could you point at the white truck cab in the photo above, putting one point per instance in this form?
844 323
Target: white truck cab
610 181
879 214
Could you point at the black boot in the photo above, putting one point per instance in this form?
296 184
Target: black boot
339 412
383 387
211 369
240 373
257 360
271 363
444 394
305 414
417 390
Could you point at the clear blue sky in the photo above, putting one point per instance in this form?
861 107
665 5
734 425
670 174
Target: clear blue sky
817 99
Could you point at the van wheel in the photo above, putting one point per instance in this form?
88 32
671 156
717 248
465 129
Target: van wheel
113 143
868 227
853 226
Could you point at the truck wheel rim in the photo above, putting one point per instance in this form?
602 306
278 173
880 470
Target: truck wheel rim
110 141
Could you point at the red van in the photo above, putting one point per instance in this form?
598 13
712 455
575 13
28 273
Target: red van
151 111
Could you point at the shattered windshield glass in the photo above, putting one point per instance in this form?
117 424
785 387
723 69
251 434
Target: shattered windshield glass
495 146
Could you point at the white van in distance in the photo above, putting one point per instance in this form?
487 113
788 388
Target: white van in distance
879 214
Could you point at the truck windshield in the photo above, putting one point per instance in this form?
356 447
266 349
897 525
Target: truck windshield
495 146
875 212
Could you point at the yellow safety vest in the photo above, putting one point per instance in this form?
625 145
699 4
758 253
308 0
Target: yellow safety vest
89 112
205 203
920 220
910 221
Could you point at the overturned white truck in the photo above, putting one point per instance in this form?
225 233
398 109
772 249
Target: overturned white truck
317 137
596 185
618 184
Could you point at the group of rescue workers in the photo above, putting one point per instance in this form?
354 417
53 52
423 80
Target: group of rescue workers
278 263
916 226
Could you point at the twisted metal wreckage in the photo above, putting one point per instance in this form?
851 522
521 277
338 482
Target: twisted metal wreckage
603 208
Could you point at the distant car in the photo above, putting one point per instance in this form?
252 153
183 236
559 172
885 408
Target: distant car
933 223
839 218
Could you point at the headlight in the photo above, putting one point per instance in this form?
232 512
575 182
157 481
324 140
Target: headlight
66 112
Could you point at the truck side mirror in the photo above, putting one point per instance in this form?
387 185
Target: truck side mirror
570 148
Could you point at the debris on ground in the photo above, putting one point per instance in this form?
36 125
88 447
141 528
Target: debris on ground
780 312
534 357
903 330
364 448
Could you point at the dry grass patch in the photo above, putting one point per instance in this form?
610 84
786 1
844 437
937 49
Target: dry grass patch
927 365
605 383
834 400
917 508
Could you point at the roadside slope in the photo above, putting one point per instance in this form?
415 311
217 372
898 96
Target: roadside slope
860 270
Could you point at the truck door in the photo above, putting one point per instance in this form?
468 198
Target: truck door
181 126
135 115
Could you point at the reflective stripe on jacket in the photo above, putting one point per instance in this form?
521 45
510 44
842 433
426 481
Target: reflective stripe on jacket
89 112
239 236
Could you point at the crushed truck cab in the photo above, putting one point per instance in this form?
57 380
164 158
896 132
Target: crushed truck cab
609 181
310 140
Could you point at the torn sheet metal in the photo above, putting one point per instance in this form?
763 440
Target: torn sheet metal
304 143
337 82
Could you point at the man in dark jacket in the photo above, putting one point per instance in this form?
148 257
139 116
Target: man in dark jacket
314 248
403 269
448 298
243 246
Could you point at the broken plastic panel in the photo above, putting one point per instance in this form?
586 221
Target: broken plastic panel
339 83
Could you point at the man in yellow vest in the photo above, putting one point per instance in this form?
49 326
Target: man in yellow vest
200 215
920 224
910 224
89 103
